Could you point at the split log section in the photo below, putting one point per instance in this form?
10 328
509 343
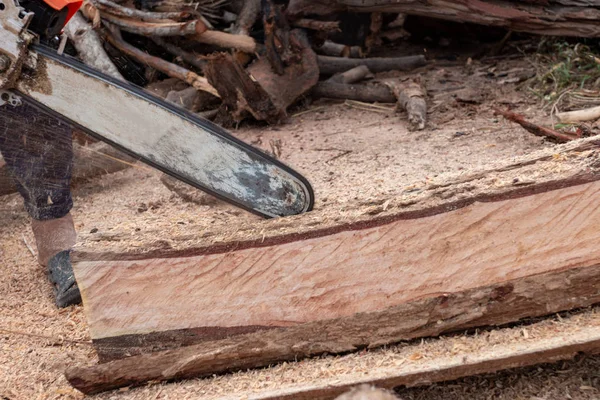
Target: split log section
480 250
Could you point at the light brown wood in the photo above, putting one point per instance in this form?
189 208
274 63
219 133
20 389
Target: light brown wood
431 316
347 272
487 360
516 231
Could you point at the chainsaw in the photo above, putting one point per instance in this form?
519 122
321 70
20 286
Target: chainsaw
167 137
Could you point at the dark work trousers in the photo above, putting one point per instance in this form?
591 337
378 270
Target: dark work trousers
38 149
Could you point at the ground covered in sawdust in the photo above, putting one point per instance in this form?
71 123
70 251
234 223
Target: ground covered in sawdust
352 154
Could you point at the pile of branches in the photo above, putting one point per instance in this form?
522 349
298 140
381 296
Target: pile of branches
244 59
254 58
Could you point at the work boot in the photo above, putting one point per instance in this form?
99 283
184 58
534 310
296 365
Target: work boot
54 239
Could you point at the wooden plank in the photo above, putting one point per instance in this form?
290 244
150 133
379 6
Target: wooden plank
489 241
265 348
487 360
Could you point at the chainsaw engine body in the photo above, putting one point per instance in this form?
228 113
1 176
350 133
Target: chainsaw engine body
50 16
19 25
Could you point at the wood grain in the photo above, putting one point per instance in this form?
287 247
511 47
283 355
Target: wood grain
347 272
496 304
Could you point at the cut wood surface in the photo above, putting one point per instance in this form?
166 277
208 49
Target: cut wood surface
553 17
490 231
262 349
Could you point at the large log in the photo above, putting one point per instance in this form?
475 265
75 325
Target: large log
534 295
487 241
547 17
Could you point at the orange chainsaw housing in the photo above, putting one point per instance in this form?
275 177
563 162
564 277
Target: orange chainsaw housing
71 5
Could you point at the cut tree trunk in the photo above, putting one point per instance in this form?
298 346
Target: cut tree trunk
481 249
552 17
541 294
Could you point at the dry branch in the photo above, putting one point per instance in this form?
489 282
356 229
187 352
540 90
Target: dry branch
329 48
196 27
332 65
185 56
353 75
89 46
247 18
536 129
411 98
119 10
324 26
172 70
366 93
228 41
589 114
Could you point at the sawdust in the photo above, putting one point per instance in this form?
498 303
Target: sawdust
379 160
355 158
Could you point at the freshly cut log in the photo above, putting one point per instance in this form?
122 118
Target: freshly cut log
487 248
421 318
552 17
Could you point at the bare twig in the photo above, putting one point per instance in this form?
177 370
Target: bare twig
316 25
188 28
188 57
332 65
228 41
535 129
353 75
247 18
28 246
170 69
89 46
329 48
119 10
588 114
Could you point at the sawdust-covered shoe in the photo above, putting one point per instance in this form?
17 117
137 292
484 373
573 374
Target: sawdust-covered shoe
60 273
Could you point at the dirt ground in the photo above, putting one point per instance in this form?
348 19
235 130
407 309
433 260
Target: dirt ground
351 153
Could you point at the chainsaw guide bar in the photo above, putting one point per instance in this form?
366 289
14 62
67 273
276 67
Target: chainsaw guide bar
169 138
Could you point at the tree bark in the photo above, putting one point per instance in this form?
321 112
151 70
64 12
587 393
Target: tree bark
553 17
496 304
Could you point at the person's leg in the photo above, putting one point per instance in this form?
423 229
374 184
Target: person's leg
38 150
